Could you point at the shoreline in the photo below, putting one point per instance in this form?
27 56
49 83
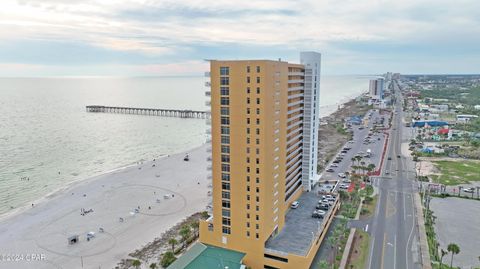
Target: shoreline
79 182
58 191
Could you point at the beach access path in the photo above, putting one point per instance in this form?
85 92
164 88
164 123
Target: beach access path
172 188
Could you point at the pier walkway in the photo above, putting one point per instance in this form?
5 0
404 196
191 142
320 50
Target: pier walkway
149 111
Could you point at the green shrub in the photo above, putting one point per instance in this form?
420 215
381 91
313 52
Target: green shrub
167 259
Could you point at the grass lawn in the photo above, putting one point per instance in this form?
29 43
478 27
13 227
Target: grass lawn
359 250
455 173
368 208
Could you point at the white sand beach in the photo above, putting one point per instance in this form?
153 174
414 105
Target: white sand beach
44 229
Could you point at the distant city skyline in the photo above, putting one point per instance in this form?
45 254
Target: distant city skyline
160 38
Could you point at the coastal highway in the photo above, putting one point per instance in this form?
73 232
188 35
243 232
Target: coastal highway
394 237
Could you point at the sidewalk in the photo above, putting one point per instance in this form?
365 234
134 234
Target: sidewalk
425 254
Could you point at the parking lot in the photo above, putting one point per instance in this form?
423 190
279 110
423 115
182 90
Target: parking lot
300 227
361 145
457 222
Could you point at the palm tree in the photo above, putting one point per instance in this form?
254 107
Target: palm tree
153 266
185 233
136 263
443 253
195 224
172 241
455 249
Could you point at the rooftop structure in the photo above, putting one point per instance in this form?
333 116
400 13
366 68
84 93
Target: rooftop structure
205 256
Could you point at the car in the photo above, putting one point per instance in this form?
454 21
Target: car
389 158
322 206
327 196
469 190
295 204
343 186
334 165
337 161
330 170
398 156
344 151
318 214
347 181
387 172
342 175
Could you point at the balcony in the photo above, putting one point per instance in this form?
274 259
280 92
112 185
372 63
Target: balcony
208 103
209 168
208 93
296 73
208 122
207 74
207 84
208 131
292 81
209 149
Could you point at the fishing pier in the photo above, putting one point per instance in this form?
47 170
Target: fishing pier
179 113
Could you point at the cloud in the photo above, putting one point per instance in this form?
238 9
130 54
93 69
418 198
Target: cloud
149 32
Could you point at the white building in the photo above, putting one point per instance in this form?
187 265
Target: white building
311 61
477 107
465 118
376 88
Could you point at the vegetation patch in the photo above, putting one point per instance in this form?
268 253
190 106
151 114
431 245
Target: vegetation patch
455 173
359 250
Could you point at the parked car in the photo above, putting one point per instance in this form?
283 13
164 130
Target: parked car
334 165
330 170
322 206
389 158
295 204
343 186
347 181
318 214
337 161
469 190
342 175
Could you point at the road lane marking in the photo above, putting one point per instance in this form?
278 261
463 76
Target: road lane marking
383 249
395 251
366 228
411 232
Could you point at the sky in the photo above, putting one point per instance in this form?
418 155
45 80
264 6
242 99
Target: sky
175 37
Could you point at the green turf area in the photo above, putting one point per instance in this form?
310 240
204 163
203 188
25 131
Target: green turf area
357 260
455 173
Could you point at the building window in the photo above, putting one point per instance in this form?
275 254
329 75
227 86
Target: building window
225 194
248 79
224 111
248 169
258 79
258 111
248 110
257 180
248 69
248 120
225 177
248 150
225 139
226 230
248 140
257 151
248 130
248 187
225 158
258 90
257 141
224 91
225 120
257 217
225 186
258 162
225 149
224 81
258 101
225 167
257 226
248 197
258 69
224 101
226 221
225 130
248 159
248 178
256 235
248 100
226 213
257 199
258 121
248 89
226 203
224 71
257 189
248 215
248 206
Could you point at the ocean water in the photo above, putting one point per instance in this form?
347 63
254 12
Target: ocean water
48 140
